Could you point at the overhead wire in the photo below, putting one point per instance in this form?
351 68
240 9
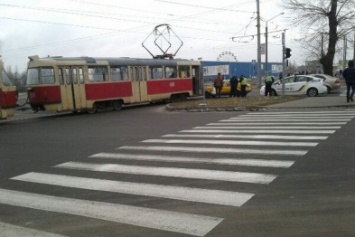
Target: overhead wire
105 15
92 27
200 6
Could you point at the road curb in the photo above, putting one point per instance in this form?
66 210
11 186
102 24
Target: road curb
252 108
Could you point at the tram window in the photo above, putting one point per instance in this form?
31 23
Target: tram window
61 78
140 74
68 76
47 75
170 72
97 74
75 75
81 75
116 74
33 76
124 73
156 72
184 71
137 74
5 78
143 73
134 73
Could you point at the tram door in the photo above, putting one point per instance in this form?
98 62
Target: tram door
139 84
196 80
73 89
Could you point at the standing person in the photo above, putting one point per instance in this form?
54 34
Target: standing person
268 83
233 84
243 85
349 76
218 84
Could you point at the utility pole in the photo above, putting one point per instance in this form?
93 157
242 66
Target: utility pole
283 62
258 37
266 49
266 41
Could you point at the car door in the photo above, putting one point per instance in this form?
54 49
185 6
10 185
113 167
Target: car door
288 86
299 86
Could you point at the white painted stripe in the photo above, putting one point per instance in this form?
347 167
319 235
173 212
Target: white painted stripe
7 230
145 217
289 119
305 113
308 112
298 118
230 176
245 136
229 142
226 161
218 197
217 150
267 127
300 115
278 123
260 131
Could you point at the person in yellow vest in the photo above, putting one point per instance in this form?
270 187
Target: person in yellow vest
243 85
268 83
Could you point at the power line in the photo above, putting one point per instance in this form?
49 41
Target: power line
66 11
104 15
212 8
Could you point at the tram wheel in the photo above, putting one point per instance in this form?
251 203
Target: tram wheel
93 110
117 105
183 97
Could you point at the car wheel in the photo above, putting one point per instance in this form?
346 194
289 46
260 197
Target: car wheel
273 93
312 92
328 89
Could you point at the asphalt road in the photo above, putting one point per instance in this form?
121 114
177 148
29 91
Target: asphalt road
143 171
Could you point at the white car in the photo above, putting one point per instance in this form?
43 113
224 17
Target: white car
298 85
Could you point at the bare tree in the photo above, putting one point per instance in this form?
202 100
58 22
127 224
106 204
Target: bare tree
17 78
322 21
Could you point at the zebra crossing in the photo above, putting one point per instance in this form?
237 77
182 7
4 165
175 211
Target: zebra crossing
262 140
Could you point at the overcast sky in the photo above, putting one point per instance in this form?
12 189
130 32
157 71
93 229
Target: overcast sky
117 28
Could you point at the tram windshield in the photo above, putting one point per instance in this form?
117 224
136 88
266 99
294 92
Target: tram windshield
5 78
37 76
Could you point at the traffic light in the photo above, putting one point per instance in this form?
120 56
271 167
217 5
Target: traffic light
288 53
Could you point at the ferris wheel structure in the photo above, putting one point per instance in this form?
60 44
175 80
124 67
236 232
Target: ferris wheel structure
227 56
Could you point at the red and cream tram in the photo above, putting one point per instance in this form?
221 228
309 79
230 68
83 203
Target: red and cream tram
8 95
89 84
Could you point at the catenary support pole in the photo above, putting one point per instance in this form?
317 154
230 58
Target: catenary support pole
258 46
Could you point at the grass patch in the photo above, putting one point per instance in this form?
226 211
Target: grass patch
227 102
